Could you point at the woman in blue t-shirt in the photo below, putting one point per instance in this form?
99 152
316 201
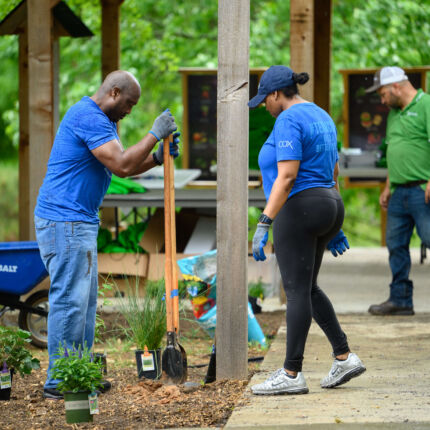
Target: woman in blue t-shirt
299 166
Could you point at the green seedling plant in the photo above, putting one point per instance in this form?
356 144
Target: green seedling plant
14 352
100 324
146 317
255 289
77 370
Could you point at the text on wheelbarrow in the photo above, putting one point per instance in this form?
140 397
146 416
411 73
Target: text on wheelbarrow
8 268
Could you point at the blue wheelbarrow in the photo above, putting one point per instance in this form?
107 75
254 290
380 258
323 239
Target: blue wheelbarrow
21 270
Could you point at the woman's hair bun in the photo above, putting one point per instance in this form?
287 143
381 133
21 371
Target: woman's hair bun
300 78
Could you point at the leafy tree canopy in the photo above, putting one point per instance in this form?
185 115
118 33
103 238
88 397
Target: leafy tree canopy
158 37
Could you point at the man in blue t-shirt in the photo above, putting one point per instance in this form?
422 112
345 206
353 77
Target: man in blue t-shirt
86 152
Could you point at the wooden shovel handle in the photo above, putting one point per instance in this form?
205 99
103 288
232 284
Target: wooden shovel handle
171 275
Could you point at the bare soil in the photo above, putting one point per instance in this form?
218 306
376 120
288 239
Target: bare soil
134 403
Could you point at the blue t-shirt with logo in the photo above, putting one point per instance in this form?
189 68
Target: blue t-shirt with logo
302 132
76 182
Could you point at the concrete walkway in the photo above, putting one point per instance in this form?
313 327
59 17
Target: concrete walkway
394 393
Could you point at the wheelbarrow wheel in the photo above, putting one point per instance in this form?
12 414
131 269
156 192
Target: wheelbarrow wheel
36 324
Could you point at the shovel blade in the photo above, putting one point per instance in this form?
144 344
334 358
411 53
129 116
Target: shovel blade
174 361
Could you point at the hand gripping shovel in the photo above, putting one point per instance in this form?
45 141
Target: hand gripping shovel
174 359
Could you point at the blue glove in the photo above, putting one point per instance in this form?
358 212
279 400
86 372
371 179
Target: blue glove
259 241
174 149
163 125
339 244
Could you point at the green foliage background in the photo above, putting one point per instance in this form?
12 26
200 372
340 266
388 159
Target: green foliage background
158 37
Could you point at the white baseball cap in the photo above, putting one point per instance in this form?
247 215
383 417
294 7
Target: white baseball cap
387 75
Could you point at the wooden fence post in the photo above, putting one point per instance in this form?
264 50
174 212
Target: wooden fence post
110 59
41 95
302 42
232 188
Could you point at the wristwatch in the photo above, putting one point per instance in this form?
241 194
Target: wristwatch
265 219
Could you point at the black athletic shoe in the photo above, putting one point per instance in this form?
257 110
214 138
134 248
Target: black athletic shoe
106 386
52 394
389 308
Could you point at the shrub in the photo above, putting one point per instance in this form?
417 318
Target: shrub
77 370
13 350
146 317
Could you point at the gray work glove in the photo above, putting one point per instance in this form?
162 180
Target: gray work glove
174 149
163 125
259 241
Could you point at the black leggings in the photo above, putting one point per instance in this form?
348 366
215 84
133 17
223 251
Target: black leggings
301 231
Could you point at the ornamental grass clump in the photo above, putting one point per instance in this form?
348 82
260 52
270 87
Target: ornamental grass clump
14 352
77 370
146 317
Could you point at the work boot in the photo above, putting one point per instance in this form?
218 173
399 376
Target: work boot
106 386
389 308
279 383
343 370
52 394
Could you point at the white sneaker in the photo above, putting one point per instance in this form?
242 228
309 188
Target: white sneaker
279 383
343 371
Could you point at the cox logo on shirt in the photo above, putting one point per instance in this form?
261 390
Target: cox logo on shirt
285 144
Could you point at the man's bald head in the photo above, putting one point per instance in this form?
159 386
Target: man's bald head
122 80
117 95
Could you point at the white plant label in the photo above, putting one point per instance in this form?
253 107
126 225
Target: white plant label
94 403
148 362
5 380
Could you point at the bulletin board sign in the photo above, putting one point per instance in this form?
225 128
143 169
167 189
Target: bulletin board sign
199 122
365 117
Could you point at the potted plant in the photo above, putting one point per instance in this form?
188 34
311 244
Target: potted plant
14 357
80 375
256 295
146 318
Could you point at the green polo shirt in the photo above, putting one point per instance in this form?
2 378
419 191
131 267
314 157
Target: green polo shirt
408 139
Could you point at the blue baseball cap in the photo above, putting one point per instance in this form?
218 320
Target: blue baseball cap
274 78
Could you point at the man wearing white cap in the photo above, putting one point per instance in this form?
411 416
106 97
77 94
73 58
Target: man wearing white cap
406 196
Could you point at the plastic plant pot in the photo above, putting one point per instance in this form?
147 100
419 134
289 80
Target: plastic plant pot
5 393
77 407
99 356
148 366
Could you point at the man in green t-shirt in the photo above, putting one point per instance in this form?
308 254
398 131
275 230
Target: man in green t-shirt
406 196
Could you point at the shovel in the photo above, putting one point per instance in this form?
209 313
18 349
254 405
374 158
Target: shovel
174 359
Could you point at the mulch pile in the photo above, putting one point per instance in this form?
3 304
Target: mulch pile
128 405
133 403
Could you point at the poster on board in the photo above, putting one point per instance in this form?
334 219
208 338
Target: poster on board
367 116
200 118
365 121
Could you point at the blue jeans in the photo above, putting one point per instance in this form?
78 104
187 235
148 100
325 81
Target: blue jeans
406 209
69 252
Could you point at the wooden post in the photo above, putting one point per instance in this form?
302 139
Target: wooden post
110 36
56 83
322 53
41 94
110 63
302 43
185 132
24 148
232 188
